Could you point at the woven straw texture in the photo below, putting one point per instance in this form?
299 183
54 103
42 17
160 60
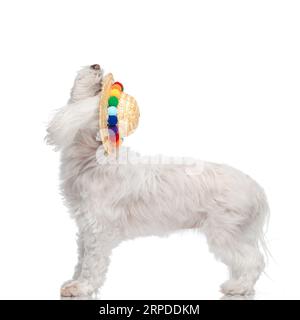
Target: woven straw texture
128 115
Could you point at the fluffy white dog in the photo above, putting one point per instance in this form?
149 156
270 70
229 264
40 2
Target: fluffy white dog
112 201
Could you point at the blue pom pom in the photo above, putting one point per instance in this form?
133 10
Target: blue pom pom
112 111
112 120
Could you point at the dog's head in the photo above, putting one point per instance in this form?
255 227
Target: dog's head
81 112
87 83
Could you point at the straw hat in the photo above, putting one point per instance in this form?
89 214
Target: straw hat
118 114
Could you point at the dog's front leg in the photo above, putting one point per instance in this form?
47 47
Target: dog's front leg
78 267
97 247
80 250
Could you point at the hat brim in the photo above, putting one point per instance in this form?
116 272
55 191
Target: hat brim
128 115
108 81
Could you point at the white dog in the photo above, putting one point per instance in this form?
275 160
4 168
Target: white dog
112 202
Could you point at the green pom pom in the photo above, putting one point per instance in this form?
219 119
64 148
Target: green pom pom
113 101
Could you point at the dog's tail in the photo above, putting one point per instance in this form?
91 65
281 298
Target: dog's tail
263 221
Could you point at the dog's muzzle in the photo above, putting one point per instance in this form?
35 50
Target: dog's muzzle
95 66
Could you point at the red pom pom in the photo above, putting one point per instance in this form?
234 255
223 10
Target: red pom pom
119 84
114 138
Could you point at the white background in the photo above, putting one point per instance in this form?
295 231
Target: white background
217 80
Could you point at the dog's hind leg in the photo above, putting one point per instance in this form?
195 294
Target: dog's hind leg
240 252
246 263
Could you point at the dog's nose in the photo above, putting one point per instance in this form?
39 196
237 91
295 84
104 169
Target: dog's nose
95 67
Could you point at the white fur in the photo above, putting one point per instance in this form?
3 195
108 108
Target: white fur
112 201
86 84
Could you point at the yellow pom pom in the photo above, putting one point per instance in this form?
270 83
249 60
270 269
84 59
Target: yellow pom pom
117 85
115 93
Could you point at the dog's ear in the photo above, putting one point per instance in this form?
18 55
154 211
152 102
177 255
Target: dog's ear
59 127
67 121
52 136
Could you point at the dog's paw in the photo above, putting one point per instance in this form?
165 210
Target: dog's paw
237 297
76 288
237 287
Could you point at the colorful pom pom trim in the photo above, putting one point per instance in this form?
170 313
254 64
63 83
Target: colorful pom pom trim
112 111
